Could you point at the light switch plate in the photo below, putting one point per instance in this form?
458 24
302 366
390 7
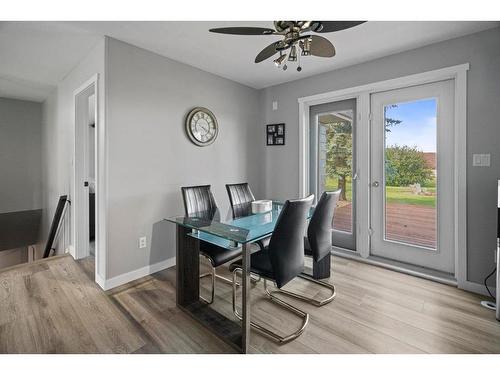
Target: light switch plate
142 242
481 160
275 105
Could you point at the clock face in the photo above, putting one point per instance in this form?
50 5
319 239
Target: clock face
201 126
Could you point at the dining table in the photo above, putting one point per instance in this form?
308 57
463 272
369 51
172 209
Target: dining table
226 232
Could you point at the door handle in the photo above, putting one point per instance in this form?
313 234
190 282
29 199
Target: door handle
375 184
354 176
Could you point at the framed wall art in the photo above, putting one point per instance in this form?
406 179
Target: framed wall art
275 134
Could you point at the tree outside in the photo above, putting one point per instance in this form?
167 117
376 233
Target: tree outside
339 154
405 165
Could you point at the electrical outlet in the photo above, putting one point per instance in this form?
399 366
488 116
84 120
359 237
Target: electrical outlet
142 242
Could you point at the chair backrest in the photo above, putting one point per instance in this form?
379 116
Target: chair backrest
241 198
286 246
319 232
199 201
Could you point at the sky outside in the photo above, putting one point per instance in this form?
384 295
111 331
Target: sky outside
418 127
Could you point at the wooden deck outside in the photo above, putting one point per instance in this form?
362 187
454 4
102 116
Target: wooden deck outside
408 223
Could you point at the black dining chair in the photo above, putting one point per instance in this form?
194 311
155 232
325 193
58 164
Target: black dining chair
281 262
318 245
241 198
200 202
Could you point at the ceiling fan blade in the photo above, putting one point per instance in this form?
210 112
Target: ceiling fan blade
321 47
331 26
267 52
243 30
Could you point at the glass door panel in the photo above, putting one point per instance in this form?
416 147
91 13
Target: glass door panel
335 167
411 172
333 163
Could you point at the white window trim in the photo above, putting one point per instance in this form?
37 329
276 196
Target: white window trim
362 95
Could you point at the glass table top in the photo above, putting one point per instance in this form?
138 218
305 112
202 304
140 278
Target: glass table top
225 230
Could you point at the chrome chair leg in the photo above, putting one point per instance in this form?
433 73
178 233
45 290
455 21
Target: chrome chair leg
265 331
254 279
213 275
307 299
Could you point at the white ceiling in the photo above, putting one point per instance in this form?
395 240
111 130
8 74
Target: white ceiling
37 55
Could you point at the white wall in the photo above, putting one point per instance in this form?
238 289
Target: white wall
150 157
20 152
58 136
483 124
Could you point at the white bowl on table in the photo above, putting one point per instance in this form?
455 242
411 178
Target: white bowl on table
261 206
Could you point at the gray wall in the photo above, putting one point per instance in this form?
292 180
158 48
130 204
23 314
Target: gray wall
58 139
482 51
20 155
150 157
20 178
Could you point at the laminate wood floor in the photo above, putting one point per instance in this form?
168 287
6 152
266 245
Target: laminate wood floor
54 307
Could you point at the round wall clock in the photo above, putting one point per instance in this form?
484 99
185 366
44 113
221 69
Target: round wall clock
201 126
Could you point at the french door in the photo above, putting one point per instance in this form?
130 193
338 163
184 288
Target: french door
412 163
333 164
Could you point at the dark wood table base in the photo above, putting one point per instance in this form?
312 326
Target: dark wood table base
188 294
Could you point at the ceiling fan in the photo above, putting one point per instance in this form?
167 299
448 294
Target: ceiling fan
294 37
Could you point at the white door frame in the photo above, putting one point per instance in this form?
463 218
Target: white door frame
458 73
81 250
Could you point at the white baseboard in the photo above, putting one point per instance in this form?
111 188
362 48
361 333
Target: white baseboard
100 281
134 275
471 286
70 250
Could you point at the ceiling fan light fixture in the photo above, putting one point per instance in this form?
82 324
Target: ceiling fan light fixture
280 60
293 39
292 56
306 47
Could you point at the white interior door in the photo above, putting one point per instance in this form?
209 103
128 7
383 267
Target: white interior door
81 168
412 163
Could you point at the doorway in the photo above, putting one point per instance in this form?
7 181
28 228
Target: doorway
412 178
85 167
333 164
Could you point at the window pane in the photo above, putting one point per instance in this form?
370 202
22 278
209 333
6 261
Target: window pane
411 172
335 163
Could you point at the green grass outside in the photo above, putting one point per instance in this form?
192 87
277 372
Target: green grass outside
401 194
394 194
